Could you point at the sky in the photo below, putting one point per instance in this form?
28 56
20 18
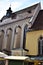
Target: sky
16 5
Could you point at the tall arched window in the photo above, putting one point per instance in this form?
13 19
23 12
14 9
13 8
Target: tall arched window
1 39
40 45
24 36
9 37
17 40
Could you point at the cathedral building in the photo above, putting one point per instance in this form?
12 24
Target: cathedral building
18 31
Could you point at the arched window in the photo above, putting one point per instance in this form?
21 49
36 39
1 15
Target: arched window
9 37
24 36
17 39
40 45
1 39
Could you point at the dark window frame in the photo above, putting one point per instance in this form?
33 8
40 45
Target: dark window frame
40 46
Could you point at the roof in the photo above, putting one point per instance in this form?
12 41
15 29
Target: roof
16 57
28 8
13 15
38 23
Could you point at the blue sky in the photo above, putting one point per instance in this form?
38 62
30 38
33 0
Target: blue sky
16 5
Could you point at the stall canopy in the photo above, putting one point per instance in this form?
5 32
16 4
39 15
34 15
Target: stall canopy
3 54
16 57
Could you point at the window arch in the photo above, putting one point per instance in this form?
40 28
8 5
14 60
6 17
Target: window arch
9 37
17 39
1 39
40 45
24 36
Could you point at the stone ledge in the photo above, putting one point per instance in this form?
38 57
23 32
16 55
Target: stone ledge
19 52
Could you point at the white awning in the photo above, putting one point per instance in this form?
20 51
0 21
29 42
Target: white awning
3 54
16 57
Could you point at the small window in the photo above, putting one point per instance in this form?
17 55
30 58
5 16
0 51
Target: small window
29 11
13 16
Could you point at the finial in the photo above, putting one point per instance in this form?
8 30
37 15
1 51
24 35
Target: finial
10 5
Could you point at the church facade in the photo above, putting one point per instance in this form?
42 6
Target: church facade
13 27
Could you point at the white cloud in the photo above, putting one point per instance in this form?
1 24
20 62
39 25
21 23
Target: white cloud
16 5
3 7
42 4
